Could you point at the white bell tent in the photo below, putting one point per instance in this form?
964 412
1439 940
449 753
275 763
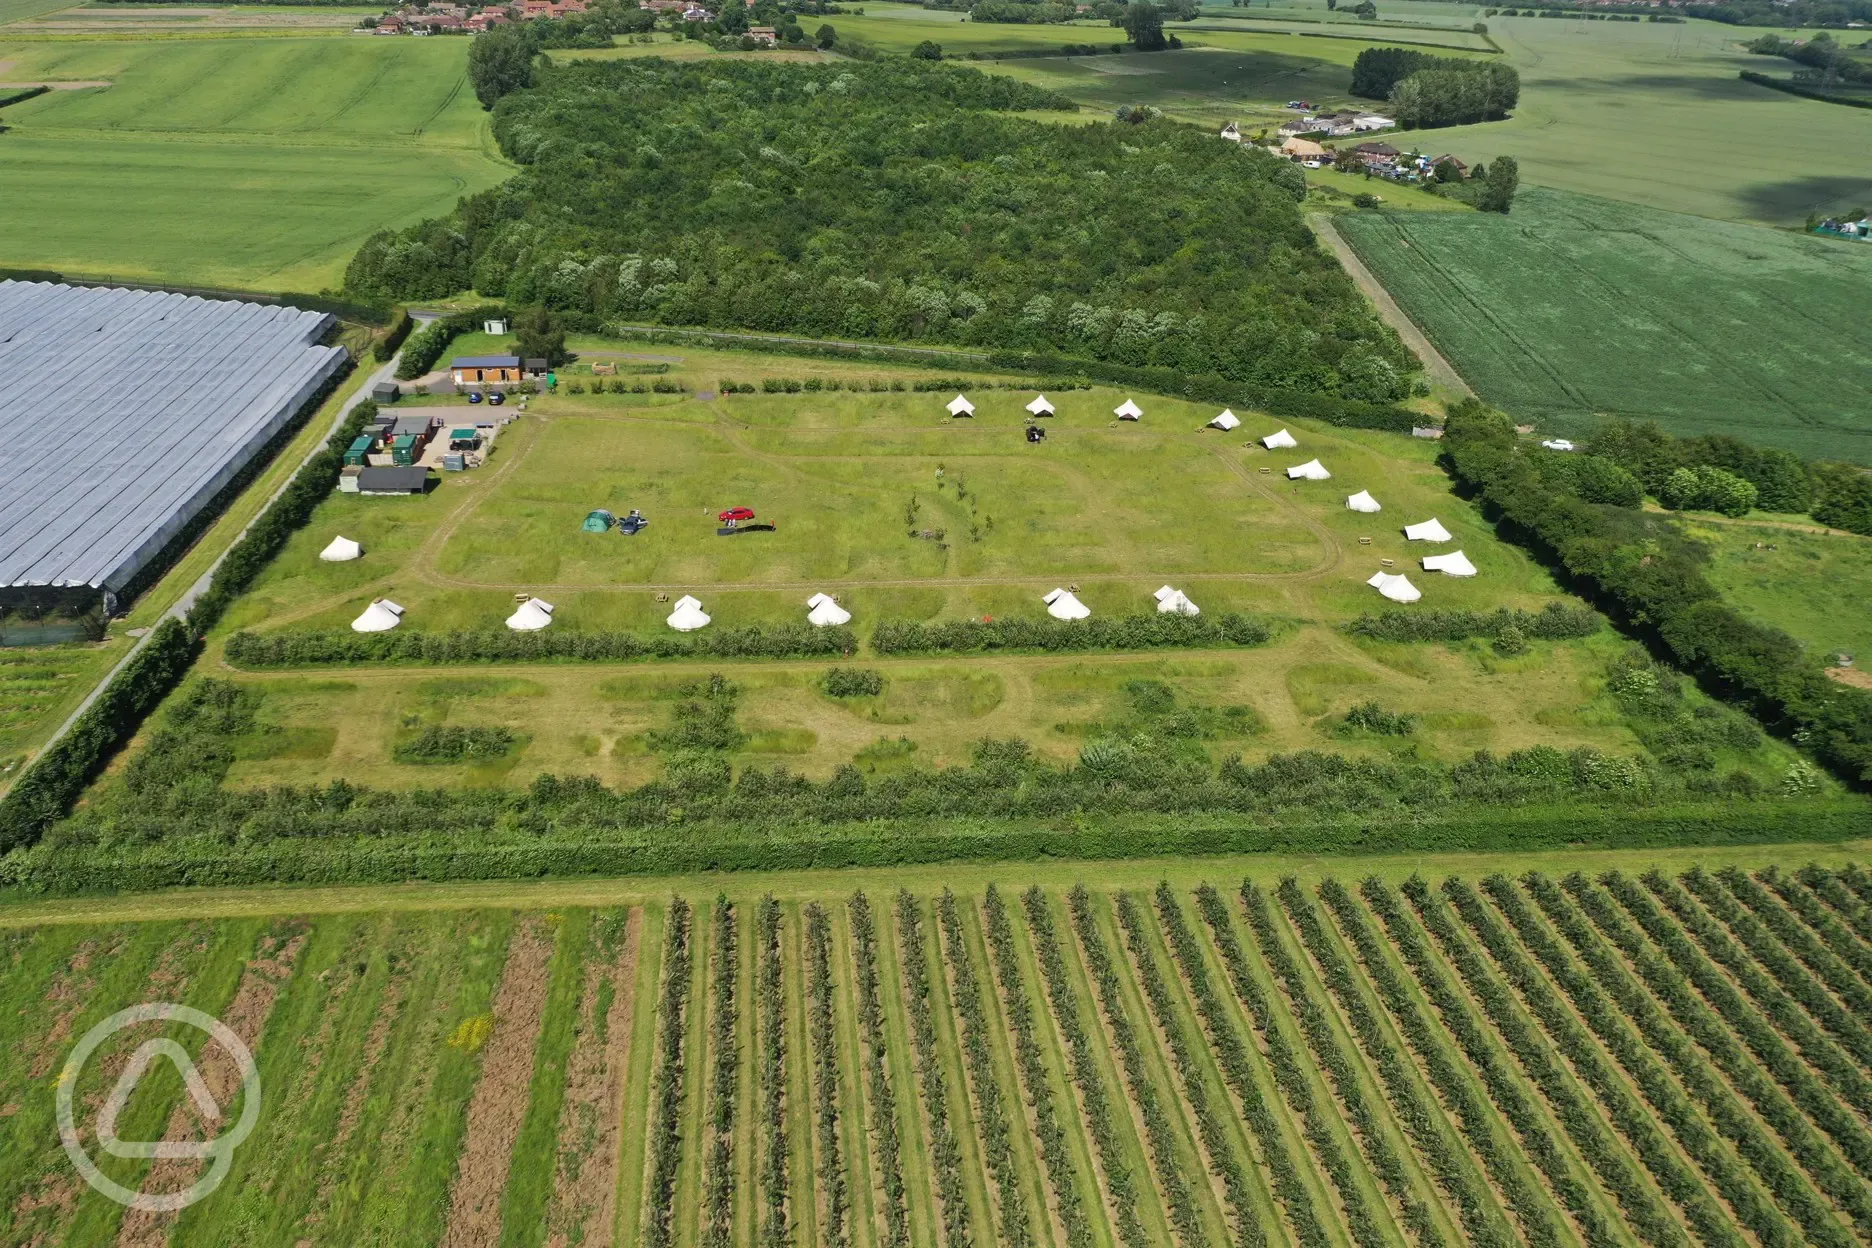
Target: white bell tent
1431 530
1127 410
380 617
341 550
1040 406
1226 421
533 615
1363 501
1062 605
1175 602
960 406
824 611
1397 588
1453 564
688 615
1279 440
1312 470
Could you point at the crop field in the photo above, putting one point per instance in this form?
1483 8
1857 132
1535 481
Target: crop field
1572 307
906 515
1650 1056
307 145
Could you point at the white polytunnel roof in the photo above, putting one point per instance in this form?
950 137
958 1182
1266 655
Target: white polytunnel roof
1453 564
341 550
1063 605
1280 439
1431 530
154 403
1227 420
1363 501
1040 406
1312 470
960 406
1397 588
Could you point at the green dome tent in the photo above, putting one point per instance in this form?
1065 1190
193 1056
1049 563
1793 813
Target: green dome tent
598 521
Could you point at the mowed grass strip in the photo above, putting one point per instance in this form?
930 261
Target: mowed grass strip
528 1191
634 1109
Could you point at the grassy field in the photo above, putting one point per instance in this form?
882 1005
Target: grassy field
1813 585
1046 1066
1571 307
308 145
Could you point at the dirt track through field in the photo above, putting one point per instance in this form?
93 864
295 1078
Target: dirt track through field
501 1094
1439 368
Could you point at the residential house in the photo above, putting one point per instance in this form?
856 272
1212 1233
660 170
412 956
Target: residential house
1299 126
1337 124
696 13
474 369
392 25
1303 150
1376 155
763 34
1447 159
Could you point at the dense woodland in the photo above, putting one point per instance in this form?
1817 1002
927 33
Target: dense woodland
900 201
1426 91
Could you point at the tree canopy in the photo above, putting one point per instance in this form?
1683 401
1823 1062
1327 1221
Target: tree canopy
897 200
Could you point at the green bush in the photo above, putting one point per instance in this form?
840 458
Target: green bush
1557 621
852 682
1127 632
452 743
1707 488
386 347
1373 719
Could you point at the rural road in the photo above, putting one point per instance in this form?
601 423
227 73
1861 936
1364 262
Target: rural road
181 606
1440 369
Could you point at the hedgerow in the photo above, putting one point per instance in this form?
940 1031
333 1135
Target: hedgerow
1636 1033
1470 1111
346 648
718 1179
425 348
1557 621
822 1031
1524 1042
1420 1119
454 743
1094 1098
991 1113
770 989
1755 1211
1150 631
1157 1127
889 1147
1648 1145
1291 1075
1049 1135
666 1094
945 1150
386 348
1232 1059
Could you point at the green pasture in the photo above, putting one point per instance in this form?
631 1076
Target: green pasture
258 163
1572 307
1816 586
25 10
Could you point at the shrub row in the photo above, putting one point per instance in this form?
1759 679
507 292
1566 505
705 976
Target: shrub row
770 990
1126 632
889 1147
1704 1217
343 647
1082 1067
425 348
1232 1059
718 1178
1664 592
1705 1025
1615 1023
945 1149
822 1031
1770 998
1420 1119
667 1093
1158 1131
1017 1008
1839 973
1459 1092
1795 88
400 327
1555 622
1459 1021
1530 1050
991 1112
454 743
1841 907
1833 973
56 778
1291 1076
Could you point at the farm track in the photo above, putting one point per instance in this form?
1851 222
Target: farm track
1466 1021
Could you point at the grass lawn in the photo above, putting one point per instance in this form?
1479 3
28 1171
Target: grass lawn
1335 189
1572 306
1813 585
304 147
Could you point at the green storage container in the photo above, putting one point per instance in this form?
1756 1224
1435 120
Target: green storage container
359 452
403 451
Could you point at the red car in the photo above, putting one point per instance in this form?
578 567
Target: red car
737 513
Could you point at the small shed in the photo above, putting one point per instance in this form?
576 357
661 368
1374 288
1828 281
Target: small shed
535 366
359 450
403 451
404 480
386 392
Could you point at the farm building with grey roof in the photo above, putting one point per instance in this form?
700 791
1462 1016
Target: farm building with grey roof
126 412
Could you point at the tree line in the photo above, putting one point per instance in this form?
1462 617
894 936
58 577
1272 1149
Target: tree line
1426 91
